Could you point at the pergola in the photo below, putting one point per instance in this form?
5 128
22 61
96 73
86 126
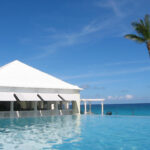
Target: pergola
93 100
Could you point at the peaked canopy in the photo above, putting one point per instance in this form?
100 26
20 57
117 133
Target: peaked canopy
18 74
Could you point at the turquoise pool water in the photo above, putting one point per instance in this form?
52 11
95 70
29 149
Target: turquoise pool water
85 132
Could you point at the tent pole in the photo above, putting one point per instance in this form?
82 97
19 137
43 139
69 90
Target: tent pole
85 107
90 109
11 106
35 106
102 109
66 105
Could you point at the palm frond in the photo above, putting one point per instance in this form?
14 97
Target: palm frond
147 24
135 38
147 20
142 22
140 28
143 31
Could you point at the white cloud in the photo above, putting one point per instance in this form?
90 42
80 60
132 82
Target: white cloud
125 63
109 73
128 96
118 7
96 25
124 97
60 39
110 97
115 7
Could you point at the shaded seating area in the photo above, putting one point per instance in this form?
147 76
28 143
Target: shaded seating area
17 103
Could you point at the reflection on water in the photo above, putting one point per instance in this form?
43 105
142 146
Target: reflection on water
91 132
39 133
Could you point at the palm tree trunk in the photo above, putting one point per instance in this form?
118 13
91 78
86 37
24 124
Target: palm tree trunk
148 46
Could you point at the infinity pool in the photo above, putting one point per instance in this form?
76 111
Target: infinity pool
85 132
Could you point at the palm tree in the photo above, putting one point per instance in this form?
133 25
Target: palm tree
143 32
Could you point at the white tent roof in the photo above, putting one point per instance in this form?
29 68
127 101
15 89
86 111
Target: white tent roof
18 74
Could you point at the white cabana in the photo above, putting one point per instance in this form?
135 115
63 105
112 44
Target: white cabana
22 83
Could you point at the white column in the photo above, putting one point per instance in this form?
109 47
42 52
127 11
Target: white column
42 104
11 106
102 109
56 106
76 107
35 106
85 107
52 107
66 105
90 110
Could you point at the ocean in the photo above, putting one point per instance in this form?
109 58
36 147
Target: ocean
142 109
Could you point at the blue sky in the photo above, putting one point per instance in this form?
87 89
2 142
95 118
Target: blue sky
81 42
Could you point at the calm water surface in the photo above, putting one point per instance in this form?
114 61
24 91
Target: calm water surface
85 132
121 109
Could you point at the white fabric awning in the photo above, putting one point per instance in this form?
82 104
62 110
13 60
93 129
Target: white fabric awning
70 97
7 96
27 96
49 97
